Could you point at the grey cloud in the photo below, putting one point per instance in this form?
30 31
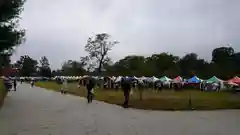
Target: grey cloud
59 28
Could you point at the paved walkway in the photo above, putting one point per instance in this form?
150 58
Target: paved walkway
35 111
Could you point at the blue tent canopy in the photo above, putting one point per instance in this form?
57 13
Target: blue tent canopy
127 78
132 78
194 79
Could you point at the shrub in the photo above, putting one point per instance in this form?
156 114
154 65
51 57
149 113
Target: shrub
3 92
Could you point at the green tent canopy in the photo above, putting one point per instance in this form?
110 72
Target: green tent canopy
164 79
214 79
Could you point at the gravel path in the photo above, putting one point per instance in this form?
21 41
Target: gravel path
35 111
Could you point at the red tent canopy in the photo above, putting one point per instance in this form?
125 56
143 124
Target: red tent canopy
232 83
178 79
235 80
9 71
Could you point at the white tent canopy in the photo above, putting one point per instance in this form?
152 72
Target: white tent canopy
118 79
143 78
153 79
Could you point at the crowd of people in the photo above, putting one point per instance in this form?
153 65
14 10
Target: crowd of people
10 83
126 85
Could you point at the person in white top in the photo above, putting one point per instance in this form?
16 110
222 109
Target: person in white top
64 86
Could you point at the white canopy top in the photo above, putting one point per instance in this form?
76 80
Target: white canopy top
153 79
118 79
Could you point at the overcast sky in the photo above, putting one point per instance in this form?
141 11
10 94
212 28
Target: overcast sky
59 29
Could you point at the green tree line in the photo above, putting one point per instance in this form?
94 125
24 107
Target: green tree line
225 64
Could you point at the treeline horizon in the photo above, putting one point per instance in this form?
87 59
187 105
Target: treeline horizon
225 64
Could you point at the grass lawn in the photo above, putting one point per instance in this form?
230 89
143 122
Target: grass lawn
3 92
165 100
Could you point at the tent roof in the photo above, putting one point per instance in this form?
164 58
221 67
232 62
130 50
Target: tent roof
232 83
164 79
178 79
132 78
9 71
142 78
213 79
153 79
194 79
235 80
118 79
135 78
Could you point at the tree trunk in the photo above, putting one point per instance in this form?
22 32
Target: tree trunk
100 65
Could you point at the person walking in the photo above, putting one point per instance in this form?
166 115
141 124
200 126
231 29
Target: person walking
79 84
140 87
126 86
90 92
32 82
64 88
14 84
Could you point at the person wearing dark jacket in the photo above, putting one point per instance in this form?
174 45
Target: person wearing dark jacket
32 82
90 86
126 87
15 84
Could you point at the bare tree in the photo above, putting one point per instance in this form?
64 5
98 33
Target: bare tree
98 48
87 63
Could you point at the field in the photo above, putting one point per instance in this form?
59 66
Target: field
164 100
2 92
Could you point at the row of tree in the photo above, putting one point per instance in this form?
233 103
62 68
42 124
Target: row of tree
225 64
27 66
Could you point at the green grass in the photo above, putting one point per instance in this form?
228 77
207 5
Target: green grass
165 100
3 92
